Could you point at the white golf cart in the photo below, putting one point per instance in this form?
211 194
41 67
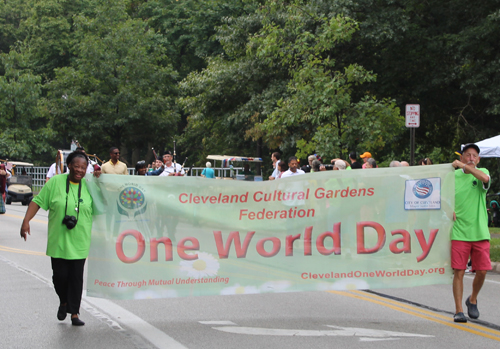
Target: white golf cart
246 174
19 185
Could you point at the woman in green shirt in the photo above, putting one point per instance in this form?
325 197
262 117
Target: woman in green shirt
69 204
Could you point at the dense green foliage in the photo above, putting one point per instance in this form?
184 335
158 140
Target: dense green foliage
119 86
247 77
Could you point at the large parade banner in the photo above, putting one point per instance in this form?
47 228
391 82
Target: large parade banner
156 237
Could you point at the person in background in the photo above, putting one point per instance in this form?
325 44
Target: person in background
365 156
317 166
114 165
141 168
4 175
307 168
283 167
249 174
52 172
354 163
371 163
157 168
405 163
425 162
339 165
395 163
158 163
208 171
293 169
70 207
275 157
171 169
347 166
247 170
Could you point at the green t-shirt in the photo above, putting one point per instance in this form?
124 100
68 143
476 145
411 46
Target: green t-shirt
62 242
470 208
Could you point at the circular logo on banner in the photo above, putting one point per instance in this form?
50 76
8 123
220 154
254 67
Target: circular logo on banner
422 189
131 198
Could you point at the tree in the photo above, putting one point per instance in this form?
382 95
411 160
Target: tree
12 14
441 55
23 132
189 31
326 110
119 89
225 99
189 27
277 84
49 30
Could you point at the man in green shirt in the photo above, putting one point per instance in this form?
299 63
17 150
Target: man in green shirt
470 235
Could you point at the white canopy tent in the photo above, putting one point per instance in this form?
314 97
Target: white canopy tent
489 148
234 158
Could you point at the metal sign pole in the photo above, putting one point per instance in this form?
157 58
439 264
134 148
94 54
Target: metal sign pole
412 146
412 122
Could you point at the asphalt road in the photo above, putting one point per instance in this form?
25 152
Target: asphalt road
390 318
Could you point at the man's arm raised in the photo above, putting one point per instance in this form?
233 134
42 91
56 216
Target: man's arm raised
470 169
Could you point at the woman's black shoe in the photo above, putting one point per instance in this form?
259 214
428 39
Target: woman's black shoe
61 313
77 322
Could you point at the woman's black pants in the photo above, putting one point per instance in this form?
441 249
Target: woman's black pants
67 276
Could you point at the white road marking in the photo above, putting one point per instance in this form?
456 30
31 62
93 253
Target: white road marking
147 331
158 338
217 322
366 334
490 281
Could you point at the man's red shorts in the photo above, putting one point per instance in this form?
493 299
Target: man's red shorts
479 251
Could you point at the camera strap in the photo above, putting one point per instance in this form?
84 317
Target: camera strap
79 195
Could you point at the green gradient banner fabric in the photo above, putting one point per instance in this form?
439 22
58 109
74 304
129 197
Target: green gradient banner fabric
156 237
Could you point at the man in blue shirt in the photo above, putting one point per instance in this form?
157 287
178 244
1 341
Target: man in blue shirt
208 172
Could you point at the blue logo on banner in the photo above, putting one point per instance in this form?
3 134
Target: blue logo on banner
422 189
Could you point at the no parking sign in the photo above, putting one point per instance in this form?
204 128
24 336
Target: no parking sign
413 115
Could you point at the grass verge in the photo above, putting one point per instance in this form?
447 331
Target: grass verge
495 245
495 249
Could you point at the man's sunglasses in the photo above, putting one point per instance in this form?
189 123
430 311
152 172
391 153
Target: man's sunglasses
118 153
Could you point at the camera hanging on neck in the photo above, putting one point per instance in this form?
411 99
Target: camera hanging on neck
71 221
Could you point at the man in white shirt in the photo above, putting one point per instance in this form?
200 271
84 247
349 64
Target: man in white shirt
293 168
171 169
52 172
275 157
